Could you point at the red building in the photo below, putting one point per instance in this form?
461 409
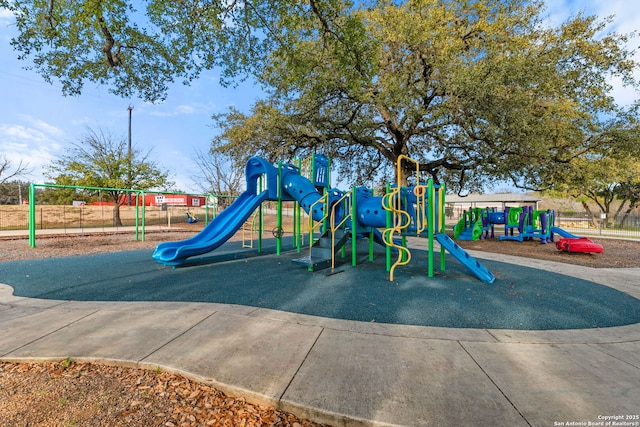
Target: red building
161 199
174 200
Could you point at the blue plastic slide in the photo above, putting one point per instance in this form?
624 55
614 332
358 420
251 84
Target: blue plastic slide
467 260
563 233
214 234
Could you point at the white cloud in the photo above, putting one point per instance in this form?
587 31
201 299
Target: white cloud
626 19
185 109
34 142
5 14
20 132
6 20
180 110
46 128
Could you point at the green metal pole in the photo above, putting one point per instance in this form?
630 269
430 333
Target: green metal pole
137 213
442 194
297 224
260 217
32 215
371 243
430 224
404 245
279 212
371 237
206 208
144 213
354 219
312 172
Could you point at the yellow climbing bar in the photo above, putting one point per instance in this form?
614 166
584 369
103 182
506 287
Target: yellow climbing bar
345 202
400 221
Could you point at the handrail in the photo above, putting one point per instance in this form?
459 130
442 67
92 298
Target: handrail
312 226
422 193
402 157
334 227
391 202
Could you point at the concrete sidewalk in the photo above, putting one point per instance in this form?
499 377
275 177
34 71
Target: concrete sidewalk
354 373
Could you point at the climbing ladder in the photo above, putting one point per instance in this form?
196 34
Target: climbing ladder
323 251
248 230
429 215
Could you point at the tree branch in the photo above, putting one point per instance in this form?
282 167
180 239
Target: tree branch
113 60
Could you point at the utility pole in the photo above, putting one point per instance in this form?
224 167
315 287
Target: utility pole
130 108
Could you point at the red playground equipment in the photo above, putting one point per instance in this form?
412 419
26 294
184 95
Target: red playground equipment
571 243
579 244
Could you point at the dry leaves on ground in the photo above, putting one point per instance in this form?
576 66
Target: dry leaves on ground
67 393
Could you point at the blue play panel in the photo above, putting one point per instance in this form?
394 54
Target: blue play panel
520 298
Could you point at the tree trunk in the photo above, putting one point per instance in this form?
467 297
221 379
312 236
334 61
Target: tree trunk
403 178
117 222
633 204
592 218
405 171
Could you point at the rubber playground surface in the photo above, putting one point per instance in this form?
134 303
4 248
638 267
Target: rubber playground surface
521 298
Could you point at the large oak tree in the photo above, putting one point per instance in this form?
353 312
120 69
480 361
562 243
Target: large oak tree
476 90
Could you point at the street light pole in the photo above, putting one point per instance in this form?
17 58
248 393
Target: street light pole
130 108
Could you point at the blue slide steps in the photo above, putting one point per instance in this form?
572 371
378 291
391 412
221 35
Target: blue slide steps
467 234
214 234
467 260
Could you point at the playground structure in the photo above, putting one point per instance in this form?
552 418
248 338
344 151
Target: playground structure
475 224
478 223
520 224
571 243
335 217
529 223
191 218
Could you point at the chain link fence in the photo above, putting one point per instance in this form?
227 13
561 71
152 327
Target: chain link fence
68 219
73 218
600 224
64 218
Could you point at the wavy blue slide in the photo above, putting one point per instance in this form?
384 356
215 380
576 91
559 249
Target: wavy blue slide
214 234
467 260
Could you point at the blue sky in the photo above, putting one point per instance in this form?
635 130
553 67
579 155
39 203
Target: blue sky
37 122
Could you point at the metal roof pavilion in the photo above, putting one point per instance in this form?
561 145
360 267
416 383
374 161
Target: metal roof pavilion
490 200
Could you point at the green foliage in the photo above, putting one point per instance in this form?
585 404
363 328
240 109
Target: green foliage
478 91
609 175
139 48
98 160
65 364
63 196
